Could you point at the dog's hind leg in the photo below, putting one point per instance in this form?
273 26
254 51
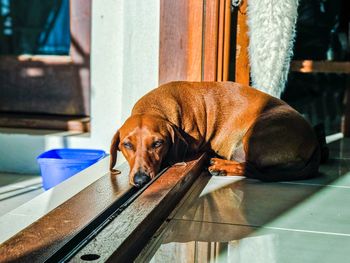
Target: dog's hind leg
281 146
223 167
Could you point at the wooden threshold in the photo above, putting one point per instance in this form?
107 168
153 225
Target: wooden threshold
97 222
55 123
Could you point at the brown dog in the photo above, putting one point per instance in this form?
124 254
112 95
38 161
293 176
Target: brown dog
249 132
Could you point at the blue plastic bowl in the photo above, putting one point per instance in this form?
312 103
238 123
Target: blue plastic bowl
59 164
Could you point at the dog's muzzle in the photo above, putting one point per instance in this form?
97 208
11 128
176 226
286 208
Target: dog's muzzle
141 178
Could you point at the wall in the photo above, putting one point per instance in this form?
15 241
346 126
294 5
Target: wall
124 66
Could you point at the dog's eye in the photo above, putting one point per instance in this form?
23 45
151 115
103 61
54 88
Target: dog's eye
157 144
128 145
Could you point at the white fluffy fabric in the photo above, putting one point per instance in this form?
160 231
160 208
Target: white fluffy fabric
271 34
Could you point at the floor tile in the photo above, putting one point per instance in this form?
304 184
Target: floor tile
11 178
34 182
335 172
191 241
253 203
23 189
240 220
17 198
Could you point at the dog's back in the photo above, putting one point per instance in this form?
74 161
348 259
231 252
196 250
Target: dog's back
219 99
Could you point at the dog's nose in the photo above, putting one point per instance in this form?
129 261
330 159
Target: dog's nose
141 179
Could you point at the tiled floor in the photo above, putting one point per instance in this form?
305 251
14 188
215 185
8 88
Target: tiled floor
7 179
240 220
16 189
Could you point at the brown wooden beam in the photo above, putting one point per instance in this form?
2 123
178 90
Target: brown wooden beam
57 234
210 45
124 237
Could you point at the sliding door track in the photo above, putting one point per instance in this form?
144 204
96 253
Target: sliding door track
78 242
107 221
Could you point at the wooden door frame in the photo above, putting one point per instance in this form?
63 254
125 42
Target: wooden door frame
197 42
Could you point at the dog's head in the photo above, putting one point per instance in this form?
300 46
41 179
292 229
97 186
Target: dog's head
147 142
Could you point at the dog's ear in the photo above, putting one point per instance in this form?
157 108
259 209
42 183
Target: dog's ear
113 151
179 146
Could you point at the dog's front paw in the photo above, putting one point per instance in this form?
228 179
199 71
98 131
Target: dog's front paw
215 172
221 167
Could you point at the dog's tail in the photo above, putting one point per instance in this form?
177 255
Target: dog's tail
286 172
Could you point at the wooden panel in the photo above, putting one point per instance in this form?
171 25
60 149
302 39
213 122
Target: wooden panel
242 42
195 31
43 238
180 50
124 238
210 52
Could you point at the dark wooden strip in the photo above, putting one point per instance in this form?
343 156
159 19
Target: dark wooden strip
45 122
43 238
124 237
311 66
8 62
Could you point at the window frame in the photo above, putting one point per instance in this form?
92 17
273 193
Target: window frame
71 70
